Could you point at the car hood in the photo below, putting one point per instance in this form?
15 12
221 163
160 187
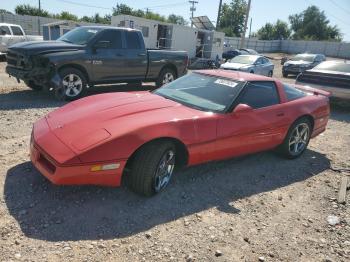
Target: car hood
92 120
297 63
234 65
43 47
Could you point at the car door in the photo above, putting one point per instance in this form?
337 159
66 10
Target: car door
258 66
108 57
260 129
136 54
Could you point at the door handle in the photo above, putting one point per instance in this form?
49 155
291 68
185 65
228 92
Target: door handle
141 54
280 114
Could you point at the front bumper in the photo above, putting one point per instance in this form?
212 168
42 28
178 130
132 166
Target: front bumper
40 76
75 174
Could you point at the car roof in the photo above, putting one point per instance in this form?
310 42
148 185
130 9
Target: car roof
255 56
234 75
7 24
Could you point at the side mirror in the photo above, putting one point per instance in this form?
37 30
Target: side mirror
242 109
102 44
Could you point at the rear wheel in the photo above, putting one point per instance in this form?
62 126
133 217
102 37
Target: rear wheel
152 168
33 86
73 84
166 76
297 139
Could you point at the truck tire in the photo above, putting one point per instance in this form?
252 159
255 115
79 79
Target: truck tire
151 168
73 84
33 86
166 76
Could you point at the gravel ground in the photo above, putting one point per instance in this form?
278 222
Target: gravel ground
255 208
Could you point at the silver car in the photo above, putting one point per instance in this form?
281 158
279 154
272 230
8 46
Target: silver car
255 64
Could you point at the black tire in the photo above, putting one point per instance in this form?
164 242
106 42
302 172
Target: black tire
270 74
251 72
67 93
163 74
286 149
143 174
33 86
285 74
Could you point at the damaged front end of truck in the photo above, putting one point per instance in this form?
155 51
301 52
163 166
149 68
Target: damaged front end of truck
35 70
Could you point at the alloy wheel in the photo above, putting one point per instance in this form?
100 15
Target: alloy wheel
73 85
164 170
168 77
299 139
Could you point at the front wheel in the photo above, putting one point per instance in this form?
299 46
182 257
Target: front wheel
166 76
270 74
152 168
297 139
73 84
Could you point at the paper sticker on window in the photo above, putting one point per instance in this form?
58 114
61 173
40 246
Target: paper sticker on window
225 82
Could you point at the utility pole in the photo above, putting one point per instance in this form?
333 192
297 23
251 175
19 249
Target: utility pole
219 13
39 25
245 24
192 9
250 27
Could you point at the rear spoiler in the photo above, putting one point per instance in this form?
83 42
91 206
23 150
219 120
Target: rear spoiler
312 90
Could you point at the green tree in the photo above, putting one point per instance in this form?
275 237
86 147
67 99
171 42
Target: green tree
312 24
122 9
4 11
279 30
232 18
177 19
31 10
66 16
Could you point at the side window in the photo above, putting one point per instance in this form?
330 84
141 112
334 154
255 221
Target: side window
114 37
259 61
133 40
266 61
16 30
260 94
5 30
292 93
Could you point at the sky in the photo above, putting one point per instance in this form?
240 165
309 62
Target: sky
262 11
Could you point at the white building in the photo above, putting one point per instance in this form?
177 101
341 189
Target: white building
197 42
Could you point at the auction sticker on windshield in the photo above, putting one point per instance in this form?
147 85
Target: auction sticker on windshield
225 82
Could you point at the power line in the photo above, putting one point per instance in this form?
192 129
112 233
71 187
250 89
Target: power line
165 5
335 17
85 5
342 8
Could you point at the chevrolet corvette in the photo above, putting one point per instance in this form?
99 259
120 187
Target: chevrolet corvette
141 137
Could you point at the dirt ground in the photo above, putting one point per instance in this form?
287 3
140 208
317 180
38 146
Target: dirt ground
255 208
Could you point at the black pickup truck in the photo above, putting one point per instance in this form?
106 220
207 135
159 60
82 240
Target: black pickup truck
92 55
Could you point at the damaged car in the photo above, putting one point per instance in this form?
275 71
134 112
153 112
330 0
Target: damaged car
92 55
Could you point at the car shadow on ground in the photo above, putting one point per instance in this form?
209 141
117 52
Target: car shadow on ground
29 99
69 213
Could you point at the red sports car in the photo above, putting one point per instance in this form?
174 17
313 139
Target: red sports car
203 116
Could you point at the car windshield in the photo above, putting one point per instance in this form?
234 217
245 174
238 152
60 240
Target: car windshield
308 58
244 59
202 92
331 66
79 35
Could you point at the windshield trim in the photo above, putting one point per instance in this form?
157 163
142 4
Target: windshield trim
226 110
